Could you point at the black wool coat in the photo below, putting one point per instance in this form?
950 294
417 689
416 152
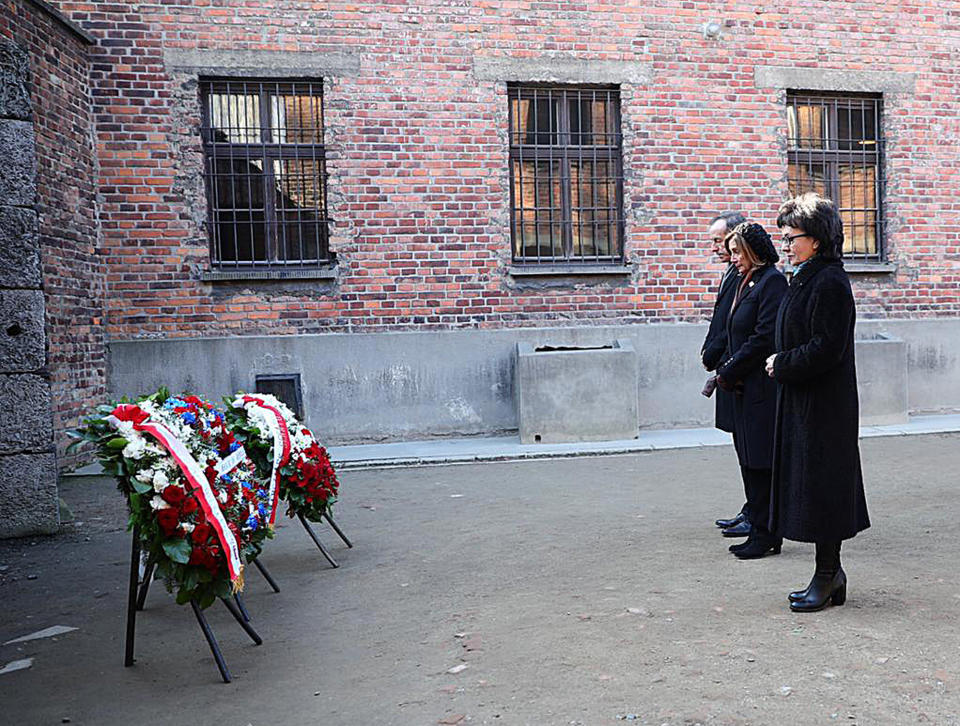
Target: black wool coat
817 493
750 340
714 349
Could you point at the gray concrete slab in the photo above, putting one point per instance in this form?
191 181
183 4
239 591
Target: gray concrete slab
575 591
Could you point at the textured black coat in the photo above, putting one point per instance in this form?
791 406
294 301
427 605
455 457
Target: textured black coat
817 491
750 340
714 349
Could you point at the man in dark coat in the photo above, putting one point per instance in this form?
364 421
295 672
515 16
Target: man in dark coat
817 491
714 350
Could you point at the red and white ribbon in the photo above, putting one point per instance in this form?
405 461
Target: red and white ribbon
281 444
193 473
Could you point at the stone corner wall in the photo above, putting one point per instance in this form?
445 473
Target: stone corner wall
28 468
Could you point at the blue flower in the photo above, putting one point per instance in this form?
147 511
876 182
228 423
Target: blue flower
247 485
262 509
253 523
234 446
227 478
263 493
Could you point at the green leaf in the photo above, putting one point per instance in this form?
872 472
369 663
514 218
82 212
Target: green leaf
222 588
191 577
178 550
140 487
207 600
184 595
117 443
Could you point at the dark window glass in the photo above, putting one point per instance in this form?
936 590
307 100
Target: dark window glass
566 174
266 173
835 148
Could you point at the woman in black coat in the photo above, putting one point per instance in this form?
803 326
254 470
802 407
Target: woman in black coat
750 332
817 482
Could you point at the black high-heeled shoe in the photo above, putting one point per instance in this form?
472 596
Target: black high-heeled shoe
826 588
798 595
759 545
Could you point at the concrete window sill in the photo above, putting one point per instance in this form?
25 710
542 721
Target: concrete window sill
870 268
322 273
568 270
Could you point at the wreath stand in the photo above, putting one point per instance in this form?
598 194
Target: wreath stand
316 540
137 595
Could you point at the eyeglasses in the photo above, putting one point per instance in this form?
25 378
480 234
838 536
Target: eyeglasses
789 238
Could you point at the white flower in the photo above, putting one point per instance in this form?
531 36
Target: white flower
145 476
135 448
222 496
187 527
125 429
160 481
158 503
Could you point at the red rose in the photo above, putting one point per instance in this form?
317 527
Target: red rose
201 533
168 520
173 495
189 506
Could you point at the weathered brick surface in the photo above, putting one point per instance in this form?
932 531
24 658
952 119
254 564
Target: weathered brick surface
418 165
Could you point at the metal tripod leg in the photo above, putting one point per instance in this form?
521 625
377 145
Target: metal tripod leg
336 529
266 575
238 616
132 597
212 642
145 584
243 610
316 540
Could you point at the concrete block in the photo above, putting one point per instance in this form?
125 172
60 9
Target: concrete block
882 380
26 422
576 393
18 185
28 495
21 331
14 74
19 248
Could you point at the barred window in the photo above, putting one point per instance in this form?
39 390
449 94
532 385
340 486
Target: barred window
266 174
835 148
566 174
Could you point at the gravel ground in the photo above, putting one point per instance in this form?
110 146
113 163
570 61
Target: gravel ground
572 591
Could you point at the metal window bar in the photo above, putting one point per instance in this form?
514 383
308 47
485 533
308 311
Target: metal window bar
835 147
566 174
266 173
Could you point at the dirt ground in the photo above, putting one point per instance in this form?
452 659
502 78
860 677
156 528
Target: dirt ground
572 591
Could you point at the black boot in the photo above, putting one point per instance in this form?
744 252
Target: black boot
760 544
738 530
825 588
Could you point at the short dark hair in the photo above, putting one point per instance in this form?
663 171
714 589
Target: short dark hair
819 218
731 219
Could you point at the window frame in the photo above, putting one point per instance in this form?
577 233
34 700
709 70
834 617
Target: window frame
563 151
269 152
830 157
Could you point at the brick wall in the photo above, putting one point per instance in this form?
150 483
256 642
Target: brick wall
66 193
418 160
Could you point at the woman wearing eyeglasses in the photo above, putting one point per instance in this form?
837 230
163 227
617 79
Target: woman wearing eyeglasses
750 331
817 491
